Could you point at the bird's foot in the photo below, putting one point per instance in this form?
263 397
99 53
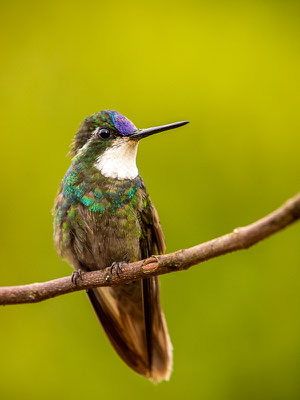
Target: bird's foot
76 275
117 267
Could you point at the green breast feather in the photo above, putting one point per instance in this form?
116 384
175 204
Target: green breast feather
103 197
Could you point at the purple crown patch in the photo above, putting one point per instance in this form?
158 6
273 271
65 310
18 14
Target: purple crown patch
124 125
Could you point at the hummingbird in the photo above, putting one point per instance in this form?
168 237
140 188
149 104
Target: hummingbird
103 217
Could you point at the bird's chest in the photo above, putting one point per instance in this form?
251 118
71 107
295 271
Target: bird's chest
115 231
117 235
104 223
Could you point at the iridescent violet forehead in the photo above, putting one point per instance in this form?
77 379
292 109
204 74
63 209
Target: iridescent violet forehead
122 124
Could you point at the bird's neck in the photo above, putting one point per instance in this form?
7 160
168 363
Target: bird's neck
119 160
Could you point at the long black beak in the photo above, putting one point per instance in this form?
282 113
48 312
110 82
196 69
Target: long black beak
142 133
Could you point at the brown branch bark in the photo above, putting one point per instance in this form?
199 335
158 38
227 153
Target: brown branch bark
240 238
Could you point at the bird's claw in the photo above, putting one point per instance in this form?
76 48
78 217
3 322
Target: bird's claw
76 275
117 267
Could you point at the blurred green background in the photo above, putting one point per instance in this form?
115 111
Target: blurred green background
232 69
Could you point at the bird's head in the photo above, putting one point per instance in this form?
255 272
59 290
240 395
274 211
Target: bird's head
110 141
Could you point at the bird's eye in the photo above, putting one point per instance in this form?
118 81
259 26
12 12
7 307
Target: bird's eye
103 133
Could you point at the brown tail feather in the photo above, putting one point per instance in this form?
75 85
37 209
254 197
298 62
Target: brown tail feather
132 318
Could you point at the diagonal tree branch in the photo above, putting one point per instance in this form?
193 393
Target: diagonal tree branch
240 238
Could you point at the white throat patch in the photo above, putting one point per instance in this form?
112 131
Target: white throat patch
119 161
